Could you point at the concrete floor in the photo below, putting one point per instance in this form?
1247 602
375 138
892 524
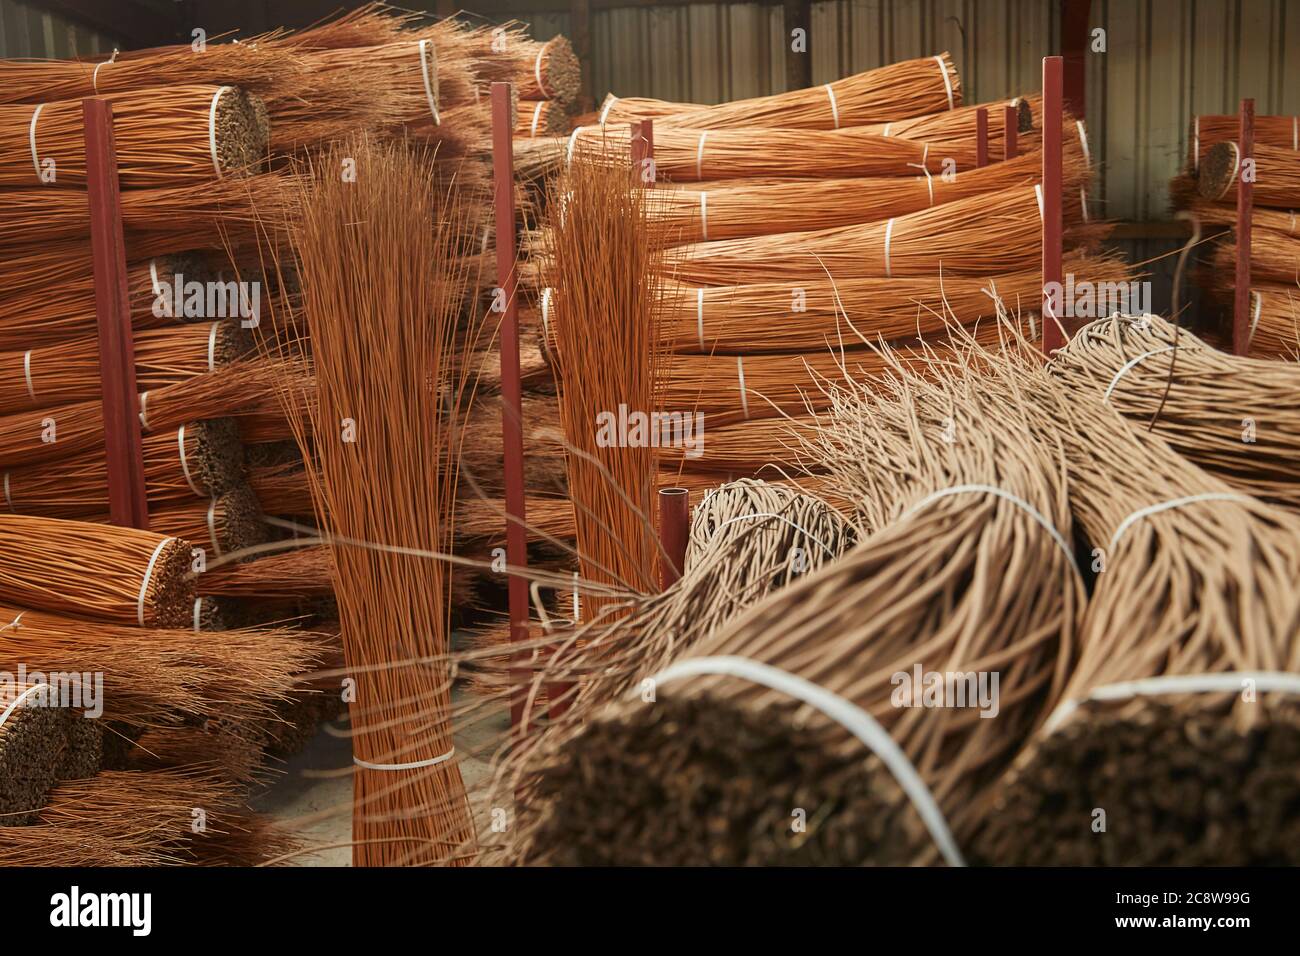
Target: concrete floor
312 798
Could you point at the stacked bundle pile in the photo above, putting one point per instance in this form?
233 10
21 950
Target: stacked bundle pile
1207 189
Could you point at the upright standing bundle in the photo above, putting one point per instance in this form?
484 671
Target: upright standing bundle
377 255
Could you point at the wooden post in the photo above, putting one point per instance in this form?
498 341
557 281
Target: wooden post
1245 198
797 15
128 504
981 137
1053 336
674 533
1010 132
512 433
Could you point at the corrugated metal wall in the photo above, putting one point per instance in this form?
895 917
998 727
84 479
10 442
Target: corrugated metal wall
26 31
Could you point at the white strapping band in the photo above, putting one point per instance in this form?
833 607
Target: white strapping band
212 527
699 156
148 573
704 216
537 115
144 410
1083 141
835 108
198 606
845 713
27 374
18 701
740 373
1005 495
212 347
1131 364
947 80
889 232
31 139
699 316
9 502
1171 504
605 110
537 70
573 138
94 77
212 128
888 126
427 54
1038 195
1083 201
1226 682
413 765
546 313
929 180
1254 319
1236 167
185 464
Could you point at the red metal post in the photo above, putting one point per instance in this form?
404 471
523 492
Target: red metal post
512 433
1053 336
1245 198
643 149
1075 37
128 505
981 137
1010 131
674 532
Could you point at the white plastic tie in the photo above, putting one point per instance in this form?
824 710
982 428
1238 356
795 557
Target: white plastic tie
1083 141
835 108
1132 363
198 607
212 527
537 70
889 233
609 104
31 139
1254 318
9 502
537 116
27 374
413 765
94 77
845 713
212 128
1227 682
429 68
144 410
699 156
1169 505
148 573
185 464
947 80
212 347
740 374
20 700
573 138
699 316
1038 195
1005 495
888 126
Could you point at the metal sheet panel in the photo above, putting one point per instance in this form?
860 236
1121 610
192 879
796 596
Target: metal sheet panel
28 31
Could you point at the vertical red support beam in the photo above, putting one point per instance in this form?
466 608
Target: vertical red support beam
1075 37
1053 337
981 137
674 532
512 432
1010 132
643 149
1245 199
128 505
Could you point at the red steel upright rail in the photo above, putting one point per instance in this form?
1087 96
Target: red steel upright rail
1053 117
981 137
1245 198
512 431
128 504
1010 132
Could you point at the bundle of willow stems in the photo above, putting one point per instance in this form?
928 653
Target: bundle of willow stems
47 434
1233 416
32 741
228 522
542 118
605 311
1166 746
165 136
107 573
925 590
1209 130
747 539
303 571
1277 175
897 91
379 253
684 155
983 235
70 372
1274 257
155 677
724 211
224 207
197 460
543 70
811 314
1275 320
961 124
